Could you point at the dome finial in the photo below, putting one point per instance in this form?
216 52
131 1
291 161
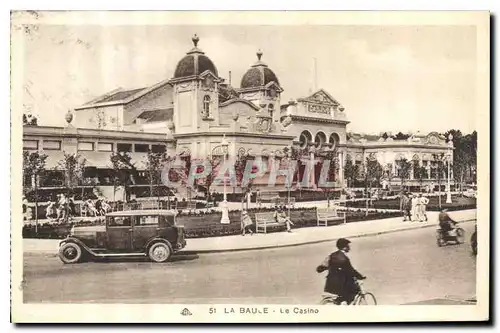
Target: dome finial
259 54
195 40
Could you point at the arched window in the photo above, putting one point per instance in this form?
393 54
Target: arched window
320 139
305 138
334 140
206 106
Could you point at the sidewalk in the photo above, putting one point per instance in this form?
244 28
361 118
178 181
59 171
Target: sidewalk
300 236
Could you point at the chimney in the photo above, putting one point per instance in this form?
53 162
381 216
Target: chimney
229 77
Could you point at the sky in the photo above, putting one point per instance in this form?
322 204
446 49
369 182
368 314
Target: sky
388 78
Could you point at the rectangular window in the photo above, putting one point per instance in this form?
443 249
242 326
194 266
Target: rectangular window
167 221
102 146
124 147
30 144
51 145
141 148
158 148
120 221
85 146
146 221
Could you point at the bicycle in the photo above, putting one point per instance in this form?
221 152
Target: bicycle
361 298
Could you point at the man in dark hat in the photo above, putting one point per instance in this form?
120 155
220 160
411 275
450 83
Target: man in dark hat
446 223
341 279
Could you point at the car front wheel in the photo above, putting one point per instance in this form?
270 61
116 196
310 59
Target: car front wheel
159 252
70 253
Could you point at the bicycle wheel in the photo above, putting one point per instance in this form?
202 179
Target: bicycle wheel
366 299
327 300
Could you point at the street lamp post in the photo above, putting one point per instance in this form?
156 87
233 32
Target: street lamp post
225 212
448 193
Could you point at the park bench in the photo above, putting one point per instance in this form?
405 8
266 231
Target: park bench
323 215
266 220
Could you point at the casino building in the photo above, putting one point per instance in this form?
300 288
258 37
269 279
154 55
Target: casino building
190 114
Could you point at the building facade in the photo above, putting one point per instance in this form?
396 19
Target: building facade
190 114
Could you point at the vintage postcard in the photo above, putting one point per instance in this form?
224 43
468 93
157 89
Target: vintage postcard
212 167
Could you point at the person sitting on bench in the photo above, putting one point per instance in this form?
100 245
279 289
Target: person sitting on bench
280 216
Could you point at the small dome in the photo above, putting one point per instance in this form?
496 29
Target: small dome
194 63
258 75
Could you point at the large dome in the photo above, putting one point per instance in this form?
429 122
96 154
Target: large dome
258 75
194 63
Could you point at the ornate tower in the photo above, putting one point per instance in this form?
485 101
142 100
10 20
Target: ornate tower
261 86
195 88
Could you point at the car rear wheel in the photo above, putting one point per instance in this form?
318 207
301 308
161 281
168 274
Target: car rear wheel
70 253
159 252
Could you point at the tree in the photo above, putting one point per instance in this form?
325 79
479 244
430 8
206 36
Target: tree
124 172
464 155
419 172
331 172
401 136
214 163
33 167
153 164
73 166
351 171
388 174
404 170
239 168
296 155
29 120
374 171
439 168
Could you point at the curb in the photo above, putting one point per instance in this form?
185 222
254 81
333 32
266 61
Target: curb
316 241
267 247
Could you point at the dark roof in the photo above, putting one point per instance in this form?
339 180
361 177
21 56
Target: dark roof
157 115
226 92
194 64
258 75
121 95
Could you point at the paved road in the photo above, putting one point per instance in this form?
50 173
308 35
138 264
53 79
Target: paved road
402 267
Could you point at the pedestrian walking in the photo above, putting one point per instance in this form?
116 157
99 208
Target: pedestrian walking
71 207
406 207
246 223
25 208
49 211
414 207
424 201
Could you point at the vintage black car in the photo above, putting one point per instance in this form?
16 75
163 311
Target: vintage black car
151 233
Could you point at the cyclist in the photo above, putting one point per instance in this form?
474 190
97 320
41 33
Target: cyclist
446 224
341 279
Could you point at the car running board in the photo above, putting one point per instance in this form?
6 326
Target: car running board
120 254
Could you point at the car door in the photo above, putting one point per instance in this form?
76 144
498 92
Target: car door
119 233
145 227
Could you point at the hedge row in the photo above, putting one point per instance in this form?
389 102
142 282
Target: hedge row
207 224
